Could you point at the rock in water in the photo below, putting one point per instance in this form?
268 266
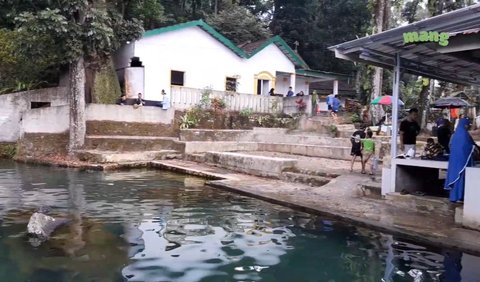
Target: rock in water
41 225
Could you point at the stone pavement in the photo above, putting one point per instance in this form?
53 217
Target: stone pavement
341 198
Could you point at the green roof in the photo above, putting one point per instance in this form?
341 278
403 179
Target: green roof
277 40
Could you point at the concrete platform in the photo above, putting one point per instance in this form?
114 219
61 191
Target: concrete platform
97 156
251 164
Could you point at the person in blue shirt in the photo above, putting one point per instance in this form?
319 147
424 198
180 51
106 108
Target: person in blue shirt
290 92
336 104
329 102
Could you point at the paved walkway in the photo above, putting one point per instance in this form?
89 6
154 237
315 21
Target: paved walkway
340 198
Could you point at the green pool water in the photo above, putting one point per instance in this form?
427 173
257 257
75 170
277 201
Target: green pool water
145 225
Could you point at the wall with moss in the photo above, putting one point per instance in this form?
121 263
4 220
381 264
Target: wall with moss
106 87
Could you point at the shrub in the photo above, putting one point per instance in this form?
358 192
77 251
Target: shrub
355 118
246 112
217 104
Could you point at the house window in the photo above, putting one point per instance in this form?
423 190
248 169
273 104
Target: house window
231 84
177 78
263 86
36 105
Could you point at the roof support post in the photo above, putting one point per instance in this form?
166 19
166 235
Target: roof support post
335 87
396 94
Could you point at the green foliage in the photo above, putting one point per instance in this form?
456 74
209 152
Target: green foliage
205 100
150 12
95 35
246 112
355 118
316 25
333 130
239 25
217 104
191 118
7 150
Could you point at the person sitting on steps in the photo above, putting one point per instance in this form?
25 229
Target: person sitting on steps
139 102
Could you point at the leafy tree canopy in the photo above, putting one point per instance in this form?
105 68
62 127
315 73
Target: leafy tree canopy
239 25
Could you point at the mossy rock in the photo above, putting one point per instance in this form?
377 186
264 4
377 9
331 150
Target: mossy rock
106 87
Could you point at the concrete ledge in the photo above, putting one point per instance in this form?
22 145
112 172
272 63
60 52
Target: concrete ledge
423 204
94 156
219 146
212 134
255 165
322 151
133 143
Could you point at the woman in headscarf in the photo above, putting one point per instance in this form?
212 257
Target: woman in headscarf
462 148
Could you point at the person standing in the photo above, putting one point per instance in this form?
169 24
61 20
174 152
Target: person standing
290 92
409 130
369 149
336 104
271 92
444 133
357 146
165 100
462 155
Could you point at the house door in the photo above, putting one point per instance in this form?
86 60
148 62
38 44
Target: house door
263 86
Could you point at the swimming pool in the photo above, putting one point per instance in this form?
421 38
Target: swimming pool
147 225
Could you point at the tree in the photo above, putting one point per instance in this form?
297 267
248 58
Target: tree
79 30
316 25
239 25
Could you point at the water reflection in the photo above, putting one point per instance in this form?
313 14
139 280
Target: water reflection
156 226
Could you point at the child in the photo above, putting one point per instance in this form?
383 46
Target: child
369 150
357 147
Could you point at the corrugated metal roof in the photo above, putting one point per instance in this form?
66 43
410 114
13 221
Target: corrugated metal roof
425 59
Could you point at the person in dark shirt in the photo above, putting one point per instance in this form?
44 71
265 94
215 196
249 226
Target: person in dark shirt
444 133
139 102
409 130
357 147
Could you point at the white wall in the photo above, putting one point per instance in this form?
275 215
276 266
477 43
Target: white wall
301 85
205 61
12 107
46 120
129 114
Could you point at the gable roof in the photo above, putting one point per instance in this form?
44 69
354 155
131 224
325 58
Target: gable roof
245 53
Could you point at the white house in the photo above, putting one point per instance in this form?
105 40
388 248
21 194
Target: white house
193 55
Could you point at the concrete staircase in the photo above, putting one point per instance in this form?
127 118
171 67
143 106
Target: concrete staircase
118 145
268 140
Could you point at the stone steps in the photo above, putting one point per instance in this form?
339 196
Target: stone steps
98 156
250 164
122 143
322 151
104 127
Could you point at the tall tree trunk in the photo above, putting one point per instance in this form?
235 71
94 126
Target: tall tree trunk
77 105
422 104
381 22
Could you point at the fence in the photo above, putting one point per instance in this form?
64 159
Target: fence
183 98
